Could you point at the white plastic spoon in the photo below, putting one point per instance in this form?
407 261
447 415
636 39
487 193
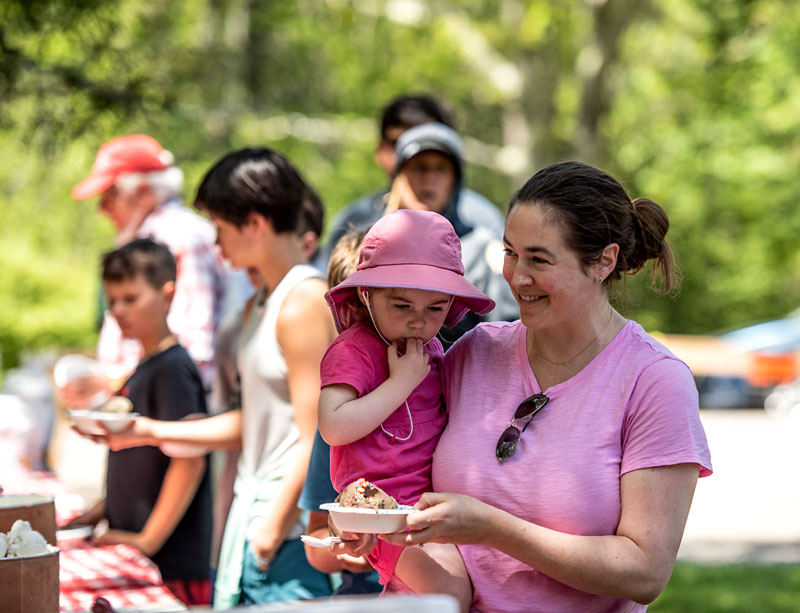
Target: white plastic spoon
313 541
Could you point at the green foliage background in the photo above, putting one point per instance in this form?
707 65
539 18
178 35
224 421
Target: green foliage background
693 103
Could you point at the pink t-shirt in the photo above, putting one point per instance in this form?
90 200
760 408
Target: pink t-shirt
401 468
634 406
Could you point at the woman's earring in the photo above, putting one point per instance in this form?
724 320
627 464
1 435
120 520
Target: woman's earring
599 279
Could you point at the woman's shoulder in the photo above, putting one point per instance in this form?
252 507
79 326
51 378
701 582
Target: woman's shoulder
645 345
303 303
638 357
485 339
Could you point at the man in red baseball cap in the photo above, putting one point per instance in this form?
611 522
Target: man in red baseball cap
119 156
139 190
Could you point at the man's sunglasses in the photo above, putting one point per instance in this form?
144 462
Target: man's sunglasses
509 439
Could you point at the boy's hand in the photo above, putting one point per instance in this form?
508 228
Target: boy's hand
84 392
123 537
90 518
354 546
402 196
412 367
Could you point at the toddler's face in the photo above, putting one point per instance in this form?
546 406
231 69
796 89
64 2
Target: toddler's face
401 314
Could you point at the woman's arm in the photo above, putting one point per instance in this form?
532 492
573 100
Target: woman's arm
345 418
304 330
635 563
180 484
223 431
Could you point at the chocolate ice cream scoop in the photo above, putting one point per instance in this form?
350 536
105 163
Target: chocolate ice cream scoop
363 494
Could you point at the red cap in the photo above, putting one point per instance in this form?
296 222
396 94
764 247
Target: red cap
119 156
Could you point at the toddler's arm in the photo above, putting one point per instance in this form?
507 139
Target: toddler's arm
345 418
181 481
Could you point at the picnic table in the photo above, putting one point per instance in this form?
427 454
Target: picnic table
121 574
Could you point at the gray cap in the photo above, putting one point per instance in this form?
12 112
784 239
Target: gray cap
429 137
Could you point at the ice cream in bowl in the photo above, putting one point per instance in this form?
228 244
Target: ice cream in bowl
114 415
363 507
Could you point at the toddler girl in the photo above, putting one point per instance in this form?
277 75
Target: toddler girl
381 406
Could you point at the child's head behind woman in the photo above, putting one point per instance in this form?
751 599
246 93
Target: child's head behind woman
409 280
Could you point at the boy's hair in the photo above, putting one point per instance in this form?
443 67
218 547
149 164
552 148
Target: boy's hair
142 256
344 256
412 110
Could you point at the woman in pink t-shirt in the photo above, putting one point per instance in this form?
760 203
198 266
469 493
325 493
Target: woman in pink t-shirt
583 507
381 407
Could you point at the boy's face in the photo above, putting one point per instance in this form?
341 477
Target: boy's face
139 308
432 177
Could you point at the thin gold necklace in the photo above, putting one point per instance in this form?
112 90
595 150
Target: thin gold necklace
566 362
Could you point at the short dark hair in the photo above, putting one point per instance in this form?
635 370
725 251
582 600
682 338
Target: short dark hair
258 181
411 110
142 256
594 211
313 215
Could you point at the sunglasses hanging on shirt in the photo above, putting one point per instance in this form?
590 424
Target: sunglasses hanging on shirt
509 440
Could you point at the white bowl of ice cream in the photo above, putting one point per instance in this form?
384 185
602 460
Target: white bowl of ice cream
368 521
115 415
365 508
98 422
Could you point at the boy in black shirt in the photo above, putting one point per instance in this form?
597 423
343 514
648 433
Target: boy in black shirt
158 504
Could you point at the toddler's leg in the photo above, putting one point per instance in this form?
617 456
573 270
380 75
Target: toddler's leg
436 568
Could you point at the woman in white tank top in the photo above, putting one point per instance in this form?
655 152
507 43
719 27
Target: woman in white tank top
255 198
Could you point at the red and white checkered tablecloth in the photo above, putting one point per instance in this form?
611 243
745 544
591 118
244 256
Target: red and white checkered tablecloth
119 573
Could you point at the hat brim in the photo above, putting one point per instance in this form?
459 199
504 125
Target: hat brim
93 185
466 297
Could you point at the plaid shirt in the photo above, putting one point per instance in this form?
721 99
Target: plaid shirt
199 290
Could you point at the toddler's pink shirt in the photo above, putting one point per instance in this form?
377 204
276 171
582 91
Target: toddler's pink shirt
634 406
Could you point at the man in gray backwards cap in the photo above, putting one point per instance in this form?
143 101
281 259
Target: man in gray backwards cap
400 114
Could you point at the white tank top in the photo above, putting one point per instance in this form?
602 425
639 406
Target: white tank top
269 432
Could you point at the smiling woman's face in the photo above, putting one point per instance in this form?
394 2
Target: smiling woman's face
549 282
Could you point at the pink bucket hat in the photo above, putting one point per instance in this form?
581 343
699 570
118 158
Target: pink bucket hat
414 250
